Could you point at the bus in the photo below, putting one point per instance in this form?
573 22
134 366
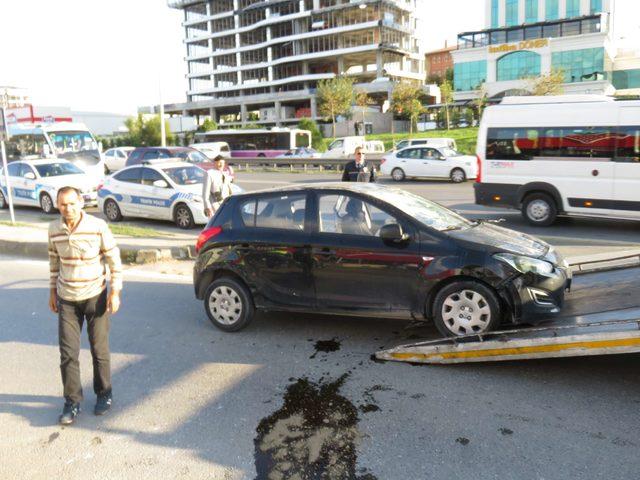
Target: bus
68 140
258 142
565 155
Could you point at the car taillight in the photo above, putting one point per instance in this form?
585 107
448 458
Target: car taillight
479 174
205 235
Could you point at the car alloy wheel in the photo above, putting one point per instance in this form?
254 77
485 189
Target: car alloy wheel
46 203
112 211
184 217
397 174
228 304
458 176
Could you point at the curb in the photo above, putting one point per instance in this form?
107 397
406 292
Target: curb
128 254
602 263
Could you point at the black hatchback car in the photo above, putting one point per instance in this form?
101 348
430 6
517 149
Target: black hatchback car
370 250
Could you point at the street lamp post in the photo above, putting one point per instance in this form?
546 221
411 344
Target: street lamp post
4 135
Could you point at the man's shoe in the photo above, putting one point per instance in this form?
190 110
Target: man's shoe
103 404
69 413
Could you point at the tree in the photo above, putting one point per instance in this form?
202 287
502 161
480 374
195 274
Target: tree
334 97
446 95
145 132
317 141
480 102
548 83
406 100
363 100
208 125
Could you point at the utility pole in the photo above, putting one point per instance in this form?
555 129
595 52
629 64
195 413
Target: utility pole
4 135
163 133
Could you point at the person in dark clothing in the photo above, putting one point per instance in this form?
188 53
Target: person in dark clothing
359 170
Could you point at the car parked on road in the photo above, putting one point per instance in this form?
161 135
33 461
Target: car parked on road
185 154
116 158
371 250
301 152
213 149
429 162
429 141
36 183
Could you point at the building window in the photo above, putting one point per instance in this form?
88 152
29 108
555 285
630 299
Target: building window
469 75
573 8
518 65
531 11
551 10
624 79
511 13
495 12
580 65
596 7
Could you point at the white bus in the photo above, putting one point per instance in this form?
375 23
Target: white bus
258 142
68 140
562 155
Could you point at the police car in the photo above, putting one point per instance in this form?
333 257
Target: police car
36 183
160 189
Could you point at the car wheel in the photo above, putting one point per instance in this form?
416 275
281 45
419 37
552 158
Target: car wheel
465 308
397 174
46 204
112 211
457 175
3 201
229 305
183 217
539 209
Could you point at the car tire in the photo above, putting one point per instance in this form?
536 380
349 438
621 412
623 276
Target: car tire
3 201
112 210
466 307
228 304
398 174
183 217
457 175
46 204
539 209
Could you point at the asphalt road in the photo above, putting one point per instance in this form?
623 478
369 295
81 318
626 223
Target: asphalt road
572 236
301 391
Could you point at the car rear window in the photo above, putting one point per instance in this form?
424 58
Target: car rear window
286 212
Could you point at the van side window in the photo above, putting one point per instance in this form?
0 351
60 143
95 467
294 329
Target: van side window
578 142
512 143
628 148
25 145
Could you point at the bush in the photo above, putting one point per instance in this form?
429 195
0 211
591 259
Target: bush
317 140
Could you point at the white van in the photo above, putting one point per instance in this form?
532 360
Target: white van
435 142
562 155
343 147
213 149
68 140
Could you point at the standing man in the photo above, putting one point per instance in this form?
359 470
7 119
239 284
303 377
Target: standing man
359 170
80 249
216 187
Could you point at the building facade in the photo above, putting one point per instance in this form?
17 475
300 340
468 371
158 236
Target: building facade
259 61
437 62
524 39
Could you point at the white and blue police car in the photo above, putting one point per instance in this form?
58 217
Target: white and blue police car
160 189
36 183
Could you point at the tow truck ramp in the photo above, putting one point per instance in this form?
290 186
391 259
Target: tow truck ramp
572 337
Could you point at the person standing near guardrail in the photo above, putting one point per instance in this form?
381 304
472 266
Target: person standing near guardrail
80 248
216 187
359 170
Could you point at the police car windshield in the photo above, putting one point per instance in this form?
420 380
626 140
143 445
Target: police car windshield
57 169
185 175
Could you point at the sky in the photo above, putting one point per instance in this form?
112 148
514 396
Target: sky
117 55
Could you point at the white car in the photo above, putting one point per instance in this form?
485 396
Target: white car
115 158
429 162
213 149
36 183
160 189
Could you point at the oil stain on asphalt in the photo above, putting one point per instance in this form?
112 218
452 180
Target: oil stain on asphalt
314 436
326 346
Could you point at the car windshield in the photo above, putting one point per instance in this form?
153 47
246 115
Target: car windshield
72 142
449 152
425 211
57 169
185 175
193 156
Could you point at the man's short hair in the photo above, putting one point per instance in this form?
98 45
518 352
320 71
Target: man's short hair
218 158
68 189
358 149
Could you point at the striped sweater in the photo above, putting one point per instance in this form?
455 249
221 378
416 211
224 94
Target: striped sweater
78 258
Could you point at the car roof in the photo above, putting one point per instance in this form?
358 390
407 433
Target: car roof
171 149
163 163
355 187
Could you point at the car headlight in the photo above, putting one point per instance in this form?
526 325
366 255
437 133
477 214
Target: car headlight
526 264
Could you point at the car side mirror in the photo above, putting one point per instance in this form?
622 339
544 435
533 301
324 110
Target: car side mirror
30 175
160 184
393 233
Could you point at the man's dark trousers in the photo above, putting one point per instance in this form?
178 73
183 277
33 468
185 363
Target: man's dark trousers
71 316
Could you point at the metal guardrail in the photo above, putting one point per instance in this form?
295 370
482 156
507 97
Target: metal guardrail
293 162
